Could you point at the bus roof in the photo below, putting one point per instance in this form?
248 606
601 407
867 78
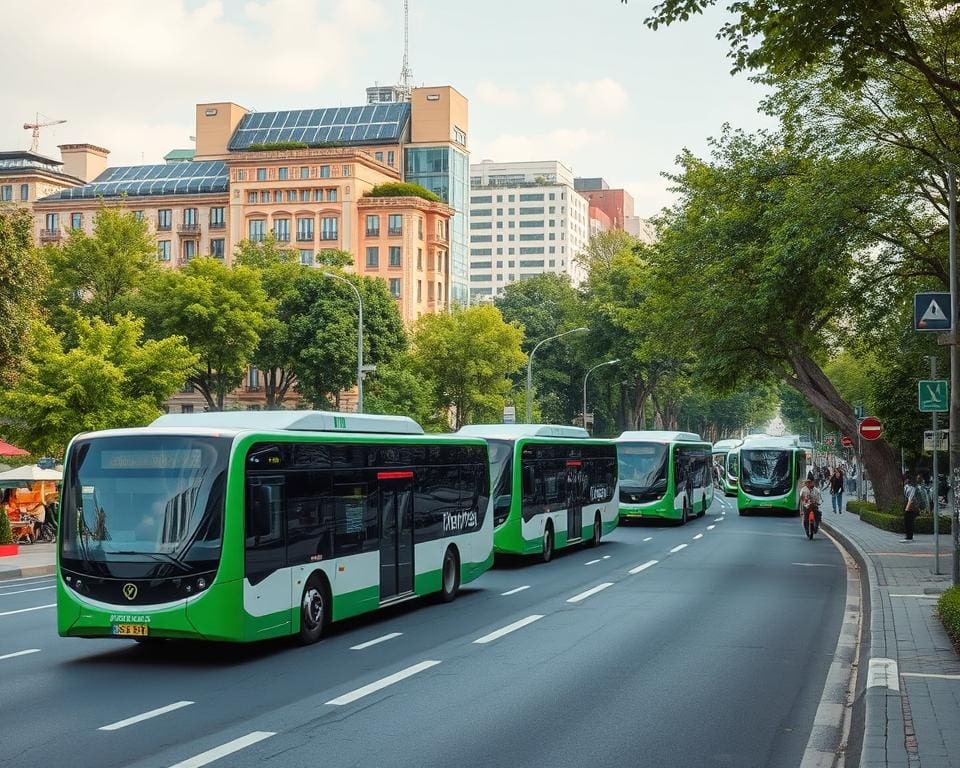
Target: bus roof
728 444
658 436
294 421
767 442
515 431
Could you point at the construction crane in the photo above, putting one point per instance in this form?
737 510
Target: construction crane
35 126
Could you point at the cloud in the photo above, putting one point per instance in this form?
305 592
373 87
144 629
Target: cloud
550 99
488 92
558 144
604 96
649 195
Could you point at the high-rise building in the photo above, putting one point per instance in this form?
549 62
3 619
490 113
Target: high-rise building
526 219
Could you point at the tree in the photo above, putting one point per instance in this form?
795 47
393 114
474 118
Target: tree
218 310
111 378
467 356
321 318
22 277
97 275
399 390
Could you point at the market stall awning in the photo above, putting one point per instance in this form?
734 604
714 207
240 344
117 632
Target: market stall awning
11 450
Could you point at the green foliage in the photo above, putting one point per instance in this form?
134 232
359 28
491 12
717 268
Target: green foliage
111 378
402 189
6 535
220 311
894 522
399 390
858 507
99 275
334 257
22 277
276 146
948 608
467 356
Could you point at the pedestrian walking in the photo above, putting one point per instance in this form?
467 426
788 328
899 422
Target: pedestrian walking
836 490
914 504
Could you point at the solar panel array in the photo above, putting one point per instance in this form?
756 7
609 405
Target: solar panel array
144 180
369 124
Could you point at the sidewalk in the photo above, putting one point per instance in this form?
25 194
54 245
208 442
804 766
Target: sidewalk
33 560
912 708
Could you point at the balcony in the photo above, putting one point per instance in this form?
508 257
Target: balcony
395 231
188 230
304 237
50 235
164 227
437 239
373 233
218 225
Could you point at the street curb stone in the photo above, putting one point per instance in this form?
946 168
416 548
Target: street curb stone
32 570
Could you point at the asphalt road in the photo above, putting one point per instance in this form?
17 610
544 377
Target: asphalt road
714 654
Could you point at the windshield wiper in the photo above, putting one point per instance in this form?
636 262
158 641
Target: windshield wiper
160 557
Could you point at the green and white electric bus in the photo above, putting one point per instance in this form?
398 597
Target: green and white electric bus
553 486
772 469
664 475
726 457
243 526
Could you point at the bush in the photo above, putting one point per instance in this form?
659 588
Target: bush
402 189
894 522
948 607
273 146
6 536
856 507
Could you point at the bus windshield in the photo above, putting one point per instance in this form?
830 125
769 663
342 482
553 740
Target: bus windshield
765 473
643 469
144 506
733 463
501 473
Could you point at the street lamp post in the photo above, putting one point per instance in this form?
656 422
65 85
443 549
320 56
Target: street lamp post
598 365
359 337
530 368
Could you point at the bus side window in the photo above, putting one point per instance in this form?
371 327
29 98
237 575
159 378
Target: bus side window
264 536
529 481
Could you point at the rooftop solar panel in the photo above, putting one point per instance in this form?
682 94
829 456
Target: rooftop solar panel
145 180
348 125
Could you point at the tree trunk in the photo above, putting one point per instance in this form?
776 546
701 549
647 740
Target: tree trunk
881 461
202 385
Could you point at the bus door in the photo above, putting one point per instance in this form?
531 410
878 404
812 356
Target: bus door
396 533
574 500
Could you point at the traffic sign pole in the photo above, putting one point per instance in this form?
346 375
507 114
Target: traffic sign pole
954 373
936 479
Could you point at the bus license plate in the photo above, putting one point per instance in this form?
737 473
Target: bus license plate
131 630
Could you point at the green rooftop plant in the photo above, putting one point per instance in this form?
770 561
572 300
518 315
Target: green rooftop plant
274 146
402 189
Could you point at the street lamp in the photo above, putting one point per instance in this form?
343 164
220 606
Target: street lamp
530 368
598 365
359 337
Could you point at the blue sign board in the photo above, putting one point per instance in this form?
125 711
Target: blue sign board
932 312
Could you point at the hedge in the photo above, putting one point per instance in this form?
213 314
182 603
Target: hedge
6 535
402 189
855 506
948 607
276 146
894 523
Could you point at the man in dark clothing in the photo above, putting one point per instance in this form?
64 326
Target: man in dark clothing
836 491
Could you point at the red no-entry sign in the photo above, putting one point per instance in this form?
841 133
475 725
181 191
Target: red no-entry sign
871 428
846 442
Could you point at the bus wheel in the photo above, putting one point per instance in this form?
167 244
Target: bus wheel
450 576
314 610
597 532
547 553
686 513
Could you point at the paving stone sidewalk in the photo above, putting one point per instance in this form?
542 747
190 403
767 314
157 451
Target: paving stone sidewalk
32 560
915 721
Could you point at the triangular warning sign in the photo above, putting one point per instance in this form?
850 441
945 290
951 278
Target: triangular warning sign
933 313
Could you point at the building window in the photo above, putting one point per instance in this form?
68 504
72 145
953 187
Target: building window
318 195
324 171
304 172
306 257
304 195
305 229
217 248
394 255
281 230
420 227
164 219
328 228
76 221
190 217
373 256
420 258
459 136
261 174
332 195
345 170
6 193
257 229
189 249
390 157
216 218
241 175
163 250
291 195
378 156
138 215
253 378
53 222
251 197
373 226
395 287
419 291
283 174
395 224
24 191
265 196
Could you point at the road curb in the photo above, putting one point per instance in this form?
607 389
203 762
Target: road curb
31 570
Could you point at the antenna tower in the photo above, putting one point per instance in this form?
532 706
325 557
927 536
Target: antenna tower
405 73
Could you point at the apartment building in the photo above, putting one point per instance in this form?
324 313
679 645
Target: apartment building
26 176
526 219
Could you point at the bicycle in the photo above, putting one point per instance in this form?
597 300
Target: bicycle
810 522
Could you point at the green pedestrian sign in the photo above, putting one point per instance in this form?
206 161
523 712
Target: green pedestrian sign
933 395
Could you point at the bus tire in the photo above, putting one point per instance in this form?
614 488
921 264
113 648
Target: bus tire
315 608
450 576
547 554
597 531
686 513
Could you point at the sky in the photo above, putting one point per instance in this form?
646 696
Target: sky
580 81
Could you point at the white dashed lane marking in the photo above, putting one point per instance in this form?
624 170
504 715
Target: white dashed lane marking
375 641
648 564
19 653
498 633
383 682
678 548
698 536
145 716
515 590
590 592
205 758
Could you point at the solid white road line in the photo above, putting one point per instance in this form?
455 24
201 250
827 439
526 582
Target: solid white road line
22 591
928 597
19 653
375 641
882 673
817 565
591 562
930 674
648 564
498 633
515 590
25 610
205 758
589 592
649 538
678 548
698 536
384 682
711 527
145 716
606 557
